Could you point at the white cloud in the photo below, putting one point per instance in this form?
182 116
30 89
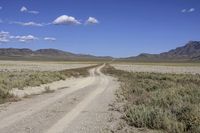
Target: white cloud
50 39
28 24
92 20
25 10
32 24
188 10
1 7
4 37
33 12
65 20
191 10
27 38
184 10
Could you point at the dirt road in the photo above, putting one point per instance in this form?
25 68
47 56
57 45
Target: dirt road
81 107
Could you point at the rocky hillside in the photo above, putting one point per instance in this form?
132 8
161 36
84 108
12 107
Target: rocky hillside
191 51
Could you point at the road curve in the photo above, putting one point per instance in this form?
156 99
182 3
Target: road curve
79 108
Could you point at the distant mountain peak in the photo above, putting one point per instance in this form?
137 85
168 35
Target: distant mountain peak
190 51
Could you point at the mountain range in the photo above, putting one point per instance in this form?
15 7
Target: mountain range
189 52
45 54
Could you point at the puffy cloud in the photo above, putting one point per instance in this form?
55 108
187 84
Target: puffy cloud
65 20
27 38
50 39
92 20
4 37
188 10
25 10
28 23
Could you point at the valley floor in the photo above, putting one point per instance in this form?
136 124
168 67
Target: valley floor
107 100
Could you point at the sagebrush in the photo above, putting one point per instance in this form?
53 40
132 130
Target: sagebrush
166 102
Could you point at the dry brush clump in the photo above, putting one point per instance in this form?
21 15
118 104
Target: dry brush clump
21 79
166 102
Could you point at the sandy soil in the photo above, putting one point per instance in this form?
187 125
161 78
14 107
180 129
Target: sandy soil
39 66
80 107
160 69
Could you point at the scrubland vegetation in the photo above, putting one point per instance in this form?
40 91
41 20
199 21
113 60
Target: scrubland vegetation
160 68
21 79
157 101
8 66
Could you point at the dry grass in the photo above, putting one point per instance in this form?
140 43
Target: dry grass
165 102
13 66
186 64
159 68
10 80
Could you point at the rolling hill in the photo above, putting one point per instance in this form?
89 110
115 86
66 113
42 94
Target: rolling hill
45 54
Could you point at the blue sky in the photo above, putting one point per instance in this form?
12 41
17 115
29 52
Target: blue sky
101 27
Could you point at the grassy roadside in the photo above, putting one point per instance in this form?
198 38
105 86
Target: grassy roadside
9 80
161 102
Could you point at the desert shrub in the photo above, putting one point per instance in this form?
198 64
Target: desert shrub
154 118
21 79
168 102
